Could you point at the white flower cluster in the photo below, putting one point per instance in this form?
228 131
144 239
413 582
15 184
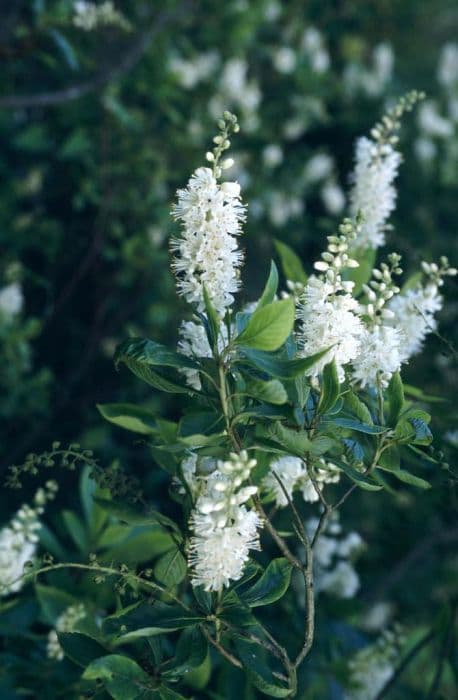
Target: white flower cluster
11 299
293 474
315 50
224 529
373 193
328 313
18 540
66 622
88 15
414 309
207 254
191 72
332 559
381 346
237 91
373 666
371 81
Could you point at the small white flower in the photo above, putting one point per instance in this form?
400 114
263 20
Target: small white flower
284 59
373 194
11 299
380 356
66 622
333 197
414 312
328 322
207 253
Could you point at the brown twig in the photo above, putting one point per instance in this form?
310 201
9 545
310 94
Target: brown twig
74 92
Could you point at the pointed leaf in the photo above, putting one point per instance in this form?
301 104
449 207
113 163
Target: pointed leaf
272 585
269 326
128 416
290 262
271 287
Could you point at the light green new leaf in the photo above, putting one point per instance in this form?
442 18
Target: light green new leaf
290 262
271 287
269 326
128 416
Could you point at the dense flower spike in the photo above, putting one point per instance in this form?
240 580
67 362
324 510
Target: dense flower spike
66 622
372 667
224 529
377 163
414 310
381 347
328 313
18 540
207 255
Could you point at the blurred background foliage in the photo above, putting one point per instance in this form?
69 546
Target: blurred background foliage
99 127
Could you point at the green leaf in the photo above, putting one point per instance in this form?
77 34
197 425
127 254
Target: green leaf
294 442
280 368
272 585
395 396
141 354
269 326
191 652
142 545
272 391
330 388
258 669
152 354
413 427
80 648
201 423
290 262
355 425
130 515
235 612
147 620
357 477
354 405
65 48
213 321
410 479
122 677
128 416
75 529
171 568
271 287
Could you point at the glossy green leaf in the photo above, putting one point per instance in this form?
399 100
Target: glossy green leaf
395 396
148 620
354 405
272 391
80 648
363 481
281 368
122 677
129 417
270 290
290 262
355 425
191 652
272 585
256 665
213 321
269 326
171 568
330 388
